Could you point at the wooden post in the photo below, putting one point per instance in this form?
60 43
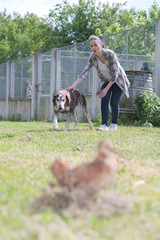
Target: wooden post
7 87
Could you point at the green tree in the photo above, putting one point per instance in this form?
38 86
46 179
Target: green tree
77 22
21 37
68 24
73 23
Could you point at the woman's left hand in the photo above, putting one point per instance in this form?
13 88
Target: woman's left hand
105 90
103 93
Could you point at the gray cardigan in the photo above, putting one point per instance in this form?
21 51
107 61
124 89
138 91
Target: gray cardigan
117 73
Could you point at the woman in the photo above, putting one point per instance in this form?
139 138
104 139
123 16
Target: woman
113 81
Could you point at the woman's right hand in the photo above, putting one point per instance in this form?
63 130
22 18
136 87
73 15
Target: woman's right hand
71 88
75 84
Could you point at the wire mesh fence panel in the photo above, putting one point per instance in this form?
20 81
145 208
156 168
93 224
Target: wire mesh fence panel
82 46
141 48
46 73
133 47
72 63
116 42
68 68
3 79
86 85
141 41
43 83
22 77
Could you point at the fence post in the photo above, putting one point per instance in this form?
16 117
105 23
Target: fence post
58 69
127 50
12 79
34 82
53 80
157 58
39 85
7 87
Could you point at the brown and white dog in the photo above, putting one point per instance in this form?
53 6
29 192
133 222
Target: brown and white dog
65 102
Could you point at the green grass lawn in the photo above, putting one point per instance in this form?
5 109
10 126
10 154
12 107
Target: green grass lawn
28 148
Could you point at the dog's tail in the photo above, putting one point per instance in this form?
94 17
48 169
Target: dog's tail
82 101
83 104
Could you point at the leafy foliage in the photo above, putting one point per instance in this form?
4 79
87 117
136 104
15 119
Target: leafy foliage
21 37
77 22
73 23
68 24
148 109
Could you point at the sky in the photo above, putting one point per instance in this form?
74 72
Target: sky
41 7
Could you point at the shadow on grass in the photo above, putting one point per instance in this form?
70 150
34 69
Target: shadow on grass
58 130
40 130
7 136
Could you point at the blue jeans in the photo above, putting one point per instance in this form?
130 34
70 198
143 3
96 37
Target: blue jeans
113 96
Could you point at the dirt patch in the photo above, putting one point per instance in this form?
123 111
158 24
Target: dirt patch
66 203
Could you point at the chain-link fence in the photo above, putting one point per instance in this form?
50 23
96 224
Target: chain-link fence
72 63
134 48
21 78
46 72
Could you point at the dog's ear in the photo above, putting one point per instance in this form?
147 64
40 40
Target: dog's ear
67 101
54 99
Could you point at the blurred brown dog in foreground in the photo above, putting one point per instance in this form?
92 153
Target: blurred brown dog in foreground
89 177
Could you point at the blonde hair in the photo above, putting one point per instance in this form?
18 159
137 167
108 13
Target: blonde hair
96 39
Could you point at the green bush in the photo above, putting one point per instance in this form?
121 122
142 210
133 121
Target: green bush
148 109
